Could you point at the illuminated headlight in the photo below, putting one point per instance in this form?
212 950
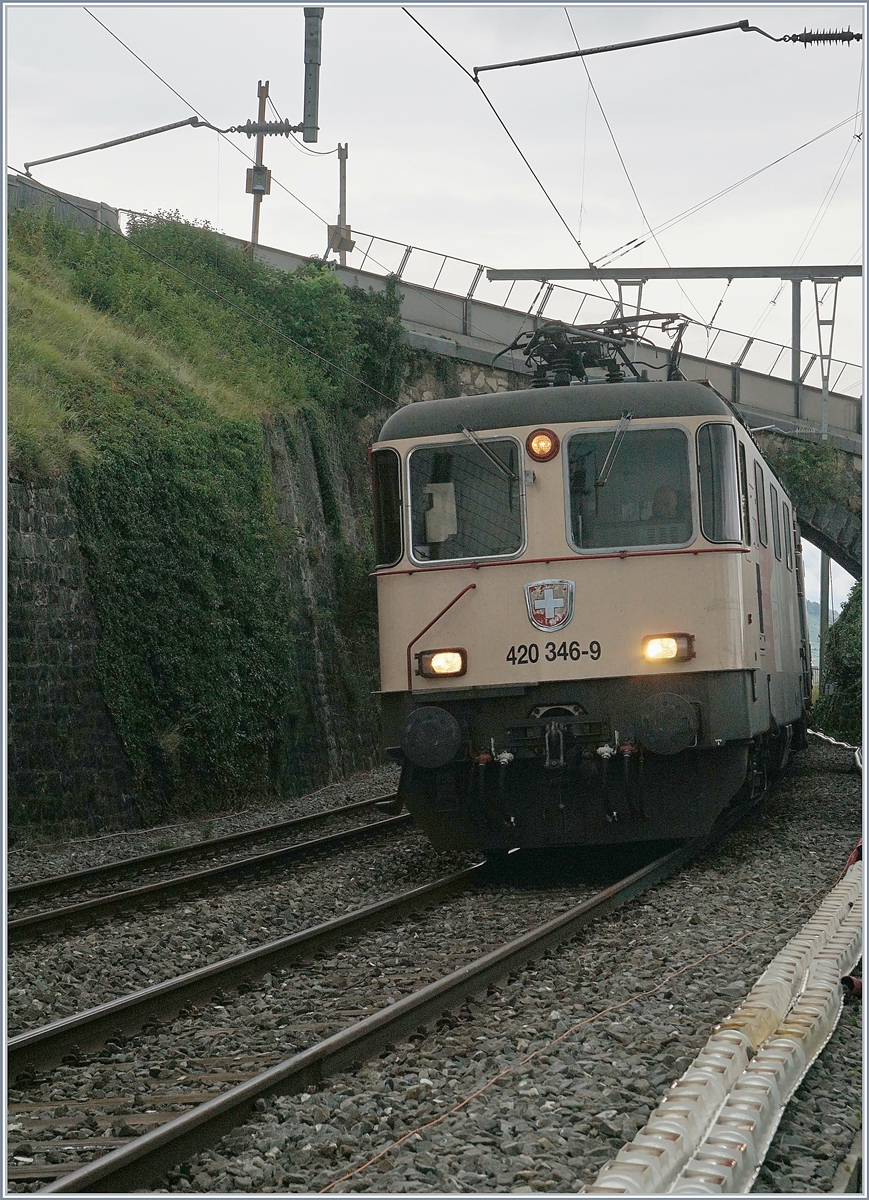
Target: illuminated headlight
542 445
668 647
435 664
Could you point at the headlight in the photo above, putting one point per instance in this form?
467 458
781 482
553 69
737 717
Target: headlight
668 647
436 664
542 445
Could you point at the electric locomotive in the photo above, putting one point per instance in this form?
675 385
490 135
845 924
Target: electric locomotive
592 623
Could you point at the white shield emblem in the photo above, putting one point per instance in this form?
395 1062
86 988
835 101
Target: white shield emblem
550 602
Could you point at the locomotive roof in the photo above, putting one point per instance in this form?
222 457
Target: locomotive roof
551 405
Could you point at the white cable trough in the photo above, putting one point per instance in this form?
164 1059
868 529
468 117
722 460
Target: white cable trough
711 1131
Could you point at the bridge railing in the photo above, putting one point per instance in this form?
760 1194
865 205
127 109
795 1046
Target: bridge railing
466 280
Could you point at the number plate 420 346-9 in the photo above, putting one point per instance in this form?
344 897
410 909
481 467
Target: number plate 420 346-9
522 654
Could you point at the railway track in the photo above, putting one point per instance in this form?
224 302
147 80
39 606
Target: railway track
33 924
47 1046
135 1157
35 889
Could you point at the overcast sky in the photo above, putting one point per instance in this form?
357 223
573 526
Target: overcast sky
429 164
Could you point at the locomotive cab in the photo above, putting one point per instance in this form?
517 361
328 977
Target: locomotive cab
590 613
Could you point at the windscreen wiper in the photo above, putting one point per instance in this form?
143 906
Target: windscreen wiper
493 458
618 437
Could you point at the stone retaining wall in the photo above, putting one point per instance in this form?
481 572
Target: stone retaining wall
65 759
451 377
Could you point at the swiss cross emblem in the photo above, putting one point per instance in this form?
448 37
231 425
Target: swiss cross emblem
550 602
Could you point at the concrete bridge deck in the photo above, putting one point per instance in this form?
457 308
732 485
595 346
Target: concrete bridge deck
475 331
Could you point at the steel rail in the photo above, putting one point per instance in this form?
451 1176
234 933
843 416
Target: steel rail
103 906
134 1166
36 887
45 1046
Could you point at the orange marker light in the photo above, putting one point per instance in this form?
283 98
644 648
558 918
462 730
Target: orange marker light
542 445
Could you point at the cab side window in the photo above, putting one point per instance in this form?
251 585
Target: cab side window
719 486
788 536
760 500
743 492
776 521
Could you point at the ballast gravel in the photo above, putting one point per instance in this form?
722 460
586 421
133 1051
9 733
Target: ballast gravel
125 954
42 857
817 1130
197 1055
535 1086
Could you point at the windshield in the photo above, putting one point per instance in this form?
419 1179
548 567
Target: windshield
643 500
463 504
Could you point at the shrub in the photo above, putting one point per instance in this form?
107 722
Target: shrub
838 712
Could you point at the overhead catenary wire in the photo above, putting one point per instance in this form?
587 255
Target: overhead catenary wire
859 97
815 223
537 179
609 130
214 292
503 125
830 194
635 243
584 155
827 201
624 166
501 122
144 64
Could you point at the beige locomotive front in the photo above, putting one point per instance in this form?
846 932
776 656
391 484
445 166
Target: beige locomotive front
603 573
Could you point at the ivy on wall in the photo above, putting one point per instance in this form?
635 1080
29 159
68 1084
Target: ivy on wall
815 473
195 660
149 394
